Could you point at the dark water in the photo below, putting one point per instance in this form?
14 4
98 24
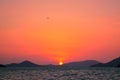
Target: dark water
59 74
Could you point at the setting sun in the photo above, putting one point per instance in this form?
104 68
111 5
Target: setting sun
60 63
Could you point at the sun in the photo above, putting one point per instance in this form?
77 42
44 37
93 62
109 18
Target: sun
60 63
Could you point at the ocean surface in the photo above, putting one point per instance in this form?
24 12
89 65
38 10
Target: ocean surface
59 74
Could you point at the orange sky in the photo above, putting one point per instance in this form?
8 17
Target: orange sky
50 31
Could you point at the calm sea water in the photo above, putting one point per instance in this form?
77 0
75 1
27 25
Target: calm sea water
59 74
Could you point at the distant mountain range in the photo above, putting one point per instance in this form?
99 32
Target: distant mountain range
86 63
74 65
79 64
113 63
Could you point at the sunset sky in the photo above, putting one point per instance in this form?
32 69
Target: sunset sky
53 31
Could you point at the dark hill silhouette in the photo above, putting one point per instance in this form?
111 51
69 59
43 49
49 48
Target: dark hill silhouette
23 64
86 63
2 65
31 64
113 63
118 65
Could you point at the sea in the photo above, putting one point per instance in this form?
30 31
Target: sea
36 73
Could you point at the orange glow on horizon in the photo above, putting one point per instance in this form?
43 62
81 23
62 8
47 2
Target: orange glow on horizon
60 63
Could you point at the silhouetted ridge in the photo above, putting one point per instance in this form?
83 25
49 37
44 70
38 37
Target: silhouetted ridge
113 63
23 64
118 65
2 65
86 63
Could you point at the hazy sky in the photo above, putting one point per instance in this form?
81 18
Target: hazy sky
50 31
